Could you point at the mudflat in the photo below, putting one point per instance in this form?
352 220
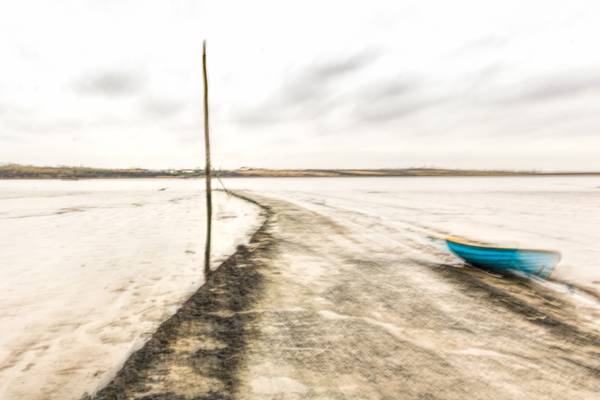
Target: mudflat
311 310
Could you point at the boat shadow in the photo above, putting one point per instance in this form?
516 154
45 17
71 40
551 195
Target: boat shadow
536 303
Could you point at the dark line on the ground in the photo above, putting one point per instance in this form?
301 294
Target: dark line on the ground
214 314
475 284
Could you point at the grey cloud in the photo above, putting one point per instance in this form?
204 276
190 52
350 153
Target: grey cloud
388 110
479 86
549 88
309 93
391 99
162 108
315 82
560 87
489 72
390 88
315 93
110 83
335 68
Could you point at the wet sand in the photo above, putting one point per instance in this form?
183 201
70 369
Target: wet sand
310 311
91 269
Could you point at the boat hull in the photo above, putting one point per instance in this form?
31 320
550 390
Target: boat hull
529 262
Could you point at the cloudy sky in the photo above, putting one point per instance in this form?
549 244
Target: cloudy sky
323 84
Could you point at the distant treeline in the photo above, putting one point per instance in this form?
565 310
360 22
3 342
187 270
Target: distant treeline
399 172
17 171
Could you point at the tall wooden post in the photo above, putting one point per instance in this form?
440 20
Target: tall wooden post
207 168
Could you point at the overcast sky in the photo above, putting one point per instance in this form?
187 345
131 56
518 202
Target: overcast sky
324 84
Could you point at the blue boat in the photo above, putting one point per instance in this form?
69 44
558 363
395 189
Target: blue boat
529 262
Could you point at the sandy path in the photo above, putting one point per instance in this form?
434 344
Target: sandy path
312 310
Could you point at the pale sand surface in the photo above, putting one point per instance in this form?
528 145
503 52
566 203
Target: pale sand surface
91 268
561 213
325 307
350 311
355 300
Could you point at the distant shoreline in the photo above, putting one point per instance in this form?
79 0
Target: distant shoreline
16 171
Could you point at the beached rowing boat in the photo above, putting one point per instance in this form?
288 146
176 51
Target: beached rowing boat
529 262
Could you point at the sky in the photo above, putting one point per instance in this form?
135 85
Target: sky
304 84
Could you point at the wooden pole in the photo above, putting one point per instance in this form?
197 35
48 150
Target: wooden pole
207 172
